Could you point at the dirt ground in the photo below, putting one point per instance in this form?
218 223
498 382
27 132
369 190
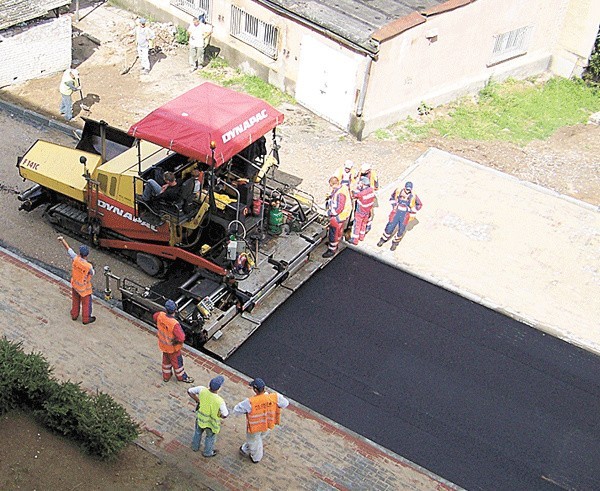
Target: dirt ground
42 460
312 149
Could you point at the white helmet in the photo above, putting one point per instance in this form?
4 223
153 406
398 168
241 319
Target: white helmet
365 168
348 164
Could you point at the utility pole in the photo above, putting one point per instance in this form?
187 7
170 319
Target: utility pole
77 11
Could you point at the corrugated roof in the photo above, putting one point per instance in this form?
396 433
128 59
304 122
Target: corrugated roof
355 21
13 12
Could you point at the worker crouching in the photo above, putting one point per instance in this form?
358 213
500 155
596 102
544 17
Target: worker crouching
170 341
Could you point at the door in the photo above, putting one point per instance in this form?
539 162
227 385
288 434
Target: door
326 81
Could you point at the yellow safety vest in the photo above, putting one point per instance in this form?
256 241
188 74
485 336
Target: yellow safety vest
207 415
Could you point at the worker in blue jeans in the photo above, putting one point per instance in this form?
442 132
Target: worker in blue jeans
210 410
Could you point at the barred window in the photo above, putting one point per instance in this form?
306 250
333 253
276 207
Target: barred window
193 7
254 32
510 44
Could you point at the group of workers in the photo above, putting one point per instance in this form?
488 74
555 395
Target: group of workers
353 199
262 410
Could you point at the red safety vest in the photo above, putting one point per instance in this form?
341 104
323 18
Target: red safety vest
265 413
166 336
81 279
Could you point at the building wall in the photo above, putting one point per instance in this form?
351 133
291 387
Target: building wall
414 67
37 49
577 38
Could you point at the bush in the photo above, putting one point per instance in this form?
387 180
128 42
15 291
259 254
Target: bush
100 425
181 35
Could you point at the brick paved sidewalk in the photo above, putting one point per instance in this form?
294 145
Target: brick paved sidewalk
119 356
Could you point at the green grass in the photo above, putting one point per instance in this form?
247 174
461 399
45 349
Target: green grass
220 72
515 111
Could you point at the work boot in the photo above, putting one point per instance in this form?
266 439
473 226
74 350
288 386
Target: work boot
92 319
394 245
328 253
380 243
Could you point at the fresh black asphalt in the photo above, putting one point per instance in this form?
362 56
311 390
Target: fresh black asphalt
472 395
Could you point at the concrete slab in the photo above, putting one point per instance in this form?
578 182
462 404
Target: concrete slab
510 245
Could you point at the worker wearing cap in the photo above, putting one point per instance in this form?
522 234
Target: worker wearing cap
404 202
263 413
199 32
347 174
69 83
364 197
339 207
81 282
144 38
366 170
210 410
170 340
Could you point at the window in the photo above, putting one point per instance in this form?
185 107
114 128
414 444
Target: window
113 186
254 32
193 7
103 182
510 44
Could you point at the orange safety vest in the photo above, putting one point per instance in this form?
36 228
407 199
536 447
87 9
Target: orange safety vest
81 279
265 413
166 337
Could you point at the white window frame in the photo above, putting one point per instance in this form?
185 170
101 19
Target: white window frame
251 30
193 7
510 44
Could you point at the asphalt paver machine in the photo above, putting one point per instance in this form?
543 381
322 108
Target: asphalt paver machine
236 241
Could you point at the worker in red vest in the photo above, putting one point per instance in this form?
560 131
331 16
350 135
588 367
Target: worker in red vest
81 283
170 340
263 413
365 200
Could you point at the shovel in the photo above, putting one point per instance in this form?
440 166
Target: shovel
125 70
81 104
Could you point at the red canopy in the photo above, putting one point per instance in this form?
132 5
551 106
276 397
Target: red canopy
208 113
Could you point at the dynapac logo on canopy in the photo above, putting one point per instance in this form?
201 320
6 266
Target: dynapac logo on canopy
246 125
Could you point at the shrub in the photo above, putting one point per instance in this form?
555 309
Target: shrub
181 35
98 423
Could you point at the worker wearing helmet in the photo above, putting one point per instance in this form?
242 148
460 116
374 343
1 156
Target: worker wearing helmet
339 207
81 283
404 202
69 83
170 340
366 170
347 175
365 200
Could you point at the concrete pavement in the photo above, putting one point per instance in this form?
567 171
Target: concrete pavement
119 356
515 247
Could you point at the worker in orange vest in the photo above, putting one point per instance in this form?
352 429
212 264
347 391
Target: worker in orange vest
263 413
81 283
170 340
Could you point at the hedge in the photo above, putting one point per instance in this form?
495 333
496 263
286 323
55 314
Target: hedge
97 422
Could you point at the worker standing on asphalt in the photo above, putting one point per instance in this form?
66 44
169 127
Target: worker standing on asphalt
69 83
210 410
144 38
366 170
404 202
347 175
170 340
263 413
364 197
339 207
81 282
199 32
